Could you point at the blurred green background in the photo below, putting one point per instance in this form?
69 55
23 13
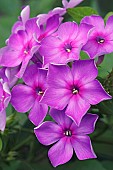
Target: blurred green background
19 149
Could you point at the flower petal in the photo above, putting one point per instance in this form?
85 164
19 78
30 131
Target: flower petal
50 28
48 133
86 126
2 120
56 98
38 113
30 75
11 58
77 108
61 152
94 20
25 14
60 117
22 98
70 3
82 147
82 77
83 33
94 93
60 76
67 31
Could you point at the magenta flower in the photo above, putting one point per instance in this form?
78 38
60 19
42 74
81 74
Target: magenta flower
70 3
47 28
68 137
21 47
26 97
42 18
75 88
101 38
66 45
24 16
5 97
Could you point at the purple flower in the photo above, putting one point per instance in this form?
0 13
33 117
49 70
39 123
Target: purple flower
68 137
75 88
101 38
70 3
66 45
5 97
24 16
21 47
47 28
26 97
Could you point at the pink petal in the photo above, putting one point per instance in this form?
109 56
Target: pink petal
94 93
71 3
82 77
23 66
60 117
25 14
22 98
94 20
30 75
61 152
11 58
67 31
48 133
77 108
38 113
56 98
2 120
60 76
86 126
83 33
82 147
91 48
50 28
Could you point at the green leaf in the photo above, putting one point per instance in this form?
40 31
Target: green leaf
0 144
83 55
108 165
79 12
107 16
106 67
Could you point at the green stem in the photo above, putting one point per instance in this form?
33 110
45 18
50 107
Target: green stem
23 129
22 143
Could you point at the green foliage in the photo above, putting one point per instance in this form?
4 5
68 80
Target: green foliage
79 12
107 16
0 144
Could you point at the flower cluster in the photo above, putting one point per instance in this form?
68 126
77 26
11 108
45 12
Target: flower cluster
44 52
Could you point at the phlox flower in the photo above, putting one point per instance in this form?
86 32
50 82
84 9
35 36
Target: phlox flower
21 47
66 136
101 38
66 45
24 16
26 97
5 97
70 3
74 88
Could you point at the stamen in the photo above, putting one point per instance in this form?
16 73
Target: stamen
75 91
100 40
25 52
68 133
68 50
40 93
